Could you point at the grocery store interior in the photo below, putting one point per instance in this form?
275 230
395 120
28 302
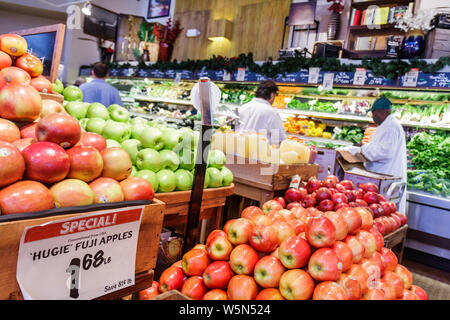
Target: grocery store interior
254 140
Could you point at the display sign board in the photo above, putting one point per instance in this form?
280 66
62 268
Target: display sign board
79 258
46 43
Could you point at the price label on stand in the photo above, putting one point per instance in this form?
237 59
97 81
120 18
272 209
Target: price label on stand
177 78
313 75
328 80
360 77
240 74
79 258
410 78
227 75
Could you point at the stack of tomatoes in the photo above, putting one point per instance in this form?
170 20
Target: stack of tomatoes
332 194
296 254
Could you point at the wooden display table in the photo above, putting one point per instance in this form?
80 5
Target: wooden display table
146 252
177 206
396 241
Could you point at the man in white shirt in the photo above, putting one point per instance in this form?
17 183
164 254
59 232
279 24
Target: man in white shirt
386 151
259 116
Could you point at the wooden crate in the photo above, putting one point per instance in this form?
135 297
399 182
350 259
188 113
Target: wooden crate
146 254
266 176
171 295
177 204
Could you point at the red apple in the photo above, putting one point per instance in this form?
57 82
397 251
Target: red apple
116 163
408 295
344 253
313 184
20 103
347 184
46 162
149 293
135 188
371 197
361 203
403 218
329 183
329 290
351 195
199 246
398 221
194 288
281 200
379 226
379 240
9 132
28 131
357 272
340 188
351 286
340 224
368 241
21 144
217 275
284 230
377 210
194 262
271 205
294 252
393 206
25 196
243 259
250 212
92 139
86 163
72 193
276 216
171 279
215 294
390 260
320 232
269 294
405 275
264 238
286 214
242 287
59 128
219 248
339 198
213 234
296 284
41 84
3 82
177 264
376 258
353 219
227 225
356 247
326 205
12 164
369 187
386 208
31 64
293 205
373 270
374 294
396 282
15 75
388 289
239 231
419 292
324 265
366 218
298 211
309 201
333 178
323 194
341 205
261 220
298 225
293 195
268 271
106 190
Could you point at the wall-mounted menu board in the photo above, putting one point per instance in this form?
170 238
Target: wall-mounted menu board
46 43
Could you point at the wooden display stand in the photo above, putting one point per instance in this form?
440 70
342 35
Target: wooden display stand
261 181
177 206
396 241
146 252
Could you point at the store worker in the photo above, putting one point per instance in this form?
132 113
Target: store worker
259 116
386 151
98 90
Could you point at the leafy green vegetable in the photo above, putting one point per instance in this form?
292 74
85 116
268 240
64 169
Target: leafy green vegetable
351 133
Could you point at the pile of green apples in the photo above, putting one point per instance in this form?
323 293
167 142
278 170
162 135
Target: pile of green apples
162 155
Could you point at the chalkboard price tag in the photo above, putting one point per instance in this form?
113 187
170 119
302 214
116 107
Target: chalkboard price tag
226 75
313 76
410 79
360 77
79 258
328 79
240 74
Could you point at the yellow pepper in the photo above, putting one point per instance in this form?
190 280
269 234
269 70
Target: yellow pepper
311 124
327 135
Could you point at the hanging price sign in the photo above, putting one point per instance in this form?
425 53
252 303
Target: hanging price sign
227 76
410 78
313 76
79 258
240 74
360 77
328 79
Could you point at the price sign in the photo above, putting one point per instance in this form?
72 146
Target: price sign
227 75
328 79
313 76
360 77
240 74
410 79
177 78
79 258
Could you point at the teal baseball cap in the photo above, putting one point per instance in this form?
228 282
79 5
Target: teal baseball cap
381 103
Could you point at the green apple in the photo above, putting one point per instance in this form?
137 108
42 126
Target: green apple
112 144
187 159
207 180
187 138
116 131
227 176
95 125
132 146
152 137
136 130
215 177
135 121
184 180
167 181
83 122
151 177
171 138
134 171
148 159
169 160
97 110
114 107
119 114
76 109
216 159
58 86
72 93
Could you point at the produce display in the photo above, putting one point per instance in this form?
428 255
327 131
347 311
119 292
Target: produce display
306 127
428 114
353 134
292 249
